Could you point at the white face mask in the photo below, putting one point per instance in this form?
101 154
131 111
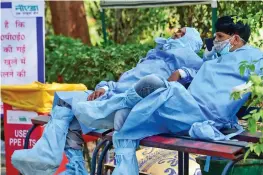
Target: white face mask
175 43
223 47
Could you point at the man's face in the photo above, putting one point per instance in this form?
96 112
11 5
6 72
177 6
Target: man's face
179 33
235 40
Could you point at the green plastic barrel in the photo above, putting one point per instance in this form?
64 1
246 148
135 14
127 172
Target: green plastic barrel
248 167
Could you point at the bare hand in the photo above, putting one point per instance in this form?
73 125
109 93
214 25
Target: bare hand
175 76
96 94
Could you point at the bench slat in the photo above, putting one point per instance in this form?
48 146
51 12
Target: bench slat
246 136
100 132
191 146
40 120
225 142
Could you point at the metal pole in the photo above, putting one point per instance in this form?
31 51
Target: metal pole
102 156
186 163
28 135
102 17
180 163
94 156
214 15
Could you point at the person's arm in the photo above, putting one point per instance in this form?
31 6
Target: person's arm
183 75
107 85
96 94
101 89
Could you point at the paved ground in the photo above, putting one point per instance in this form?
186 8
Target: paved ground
3 170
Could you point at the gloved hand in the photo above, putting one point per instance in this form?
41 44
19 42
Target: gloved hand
209 53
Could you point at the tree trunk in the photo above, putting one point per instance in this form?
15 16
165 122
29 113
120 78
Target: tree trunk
69 19
117 26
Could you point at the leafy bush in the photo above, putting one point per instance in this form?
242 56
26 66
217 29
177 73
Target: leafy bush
143 24
77 63
255 117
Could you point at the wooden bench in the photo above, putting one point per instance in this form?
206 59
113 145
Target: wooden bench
184 145
231 150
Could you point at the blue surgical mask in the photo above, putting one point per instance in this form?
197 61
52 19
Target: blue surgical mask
226 49
222 47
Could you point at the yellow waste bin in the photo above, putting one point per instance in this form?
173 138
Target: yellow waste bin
21 103
36 96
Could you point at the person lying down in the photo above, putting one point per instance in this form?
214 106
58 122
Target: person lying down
63 131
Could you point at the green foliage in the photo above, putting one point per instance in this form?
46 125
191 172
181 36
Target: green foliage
78 63
255 117
143 24
250 12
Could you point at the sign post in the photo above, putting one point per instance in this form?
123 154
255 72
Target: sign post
22 62
22 43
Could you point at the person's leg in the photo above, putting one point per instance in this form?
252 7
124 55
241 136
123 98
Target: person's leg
46 155
84 111
120 117
74 136
74 143
125 149
148 84
76 165
143 87
74 150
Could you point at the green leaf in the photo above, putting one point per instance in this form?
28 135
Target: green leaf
256 79
252 125
261 114
252 67
251 146
247 154
243 62
247 116
242 70
257 149
261 147
253 111
256 116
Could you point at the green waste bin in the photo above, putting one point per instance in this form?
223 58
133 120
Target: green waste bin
217 165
